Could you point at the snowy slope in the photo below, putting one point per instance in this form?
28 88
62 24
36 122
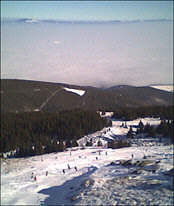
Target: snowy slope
111 184
168 88
76 91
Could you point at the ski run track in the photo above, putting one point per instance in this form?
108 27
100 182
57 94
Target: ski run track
46 179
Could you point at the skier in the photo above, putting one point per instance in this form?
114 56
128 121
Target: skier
63 171
144 157
75 168
96 158
32 174
106 153
35 178
46 173
69 167
132 156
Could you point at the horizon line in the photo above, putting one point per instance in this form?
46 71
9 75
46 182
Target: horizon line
88 85
37 20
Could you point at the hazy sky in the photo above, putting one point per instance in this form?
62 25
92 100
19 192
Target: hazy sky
104 54
88 10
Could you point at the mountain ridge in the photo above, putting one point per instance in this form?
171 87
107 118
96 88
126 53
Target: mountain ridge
28 95
33 20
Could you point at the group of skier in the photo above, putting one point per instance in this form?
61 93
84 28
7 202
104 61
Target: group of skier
68 166
33 177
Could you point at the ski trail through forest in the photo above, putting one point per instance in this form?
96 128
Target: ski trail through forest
48 99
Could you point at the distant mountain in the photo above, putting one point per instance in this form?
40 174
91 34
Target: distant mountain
30 20
22 20
26 95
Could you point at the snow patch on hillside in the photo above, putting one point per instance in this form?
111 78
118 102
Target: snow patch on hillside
168 88
31 21
76 91
105 114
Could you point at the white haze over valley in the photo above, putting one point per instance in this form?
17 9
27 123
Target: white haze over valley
95 54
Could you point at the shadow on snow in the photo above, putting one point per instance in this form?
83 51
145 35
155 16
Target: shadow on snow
61 194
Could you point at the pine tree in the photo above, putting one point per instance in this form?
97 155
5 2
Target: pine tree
99 143
130 133
141 127
74 143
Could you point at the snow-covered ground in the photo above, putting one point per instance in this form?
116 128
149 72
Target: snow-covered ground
168 88
76 91
97 181
106 114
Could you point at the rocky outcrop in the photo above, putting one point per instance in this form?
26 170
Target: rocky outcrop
169 172
87 183
142 163
139 166
126 162
74 198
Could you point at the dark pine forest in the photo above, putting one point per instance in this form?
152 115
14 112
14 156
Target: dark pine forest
33 133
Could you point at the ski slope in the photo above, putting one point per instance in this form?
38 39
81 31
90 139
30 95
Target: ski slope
111 184
48 99
76 91
168 88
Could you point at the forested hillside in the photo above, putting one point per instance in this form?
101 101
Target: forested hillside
130 113
34 133
28 96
